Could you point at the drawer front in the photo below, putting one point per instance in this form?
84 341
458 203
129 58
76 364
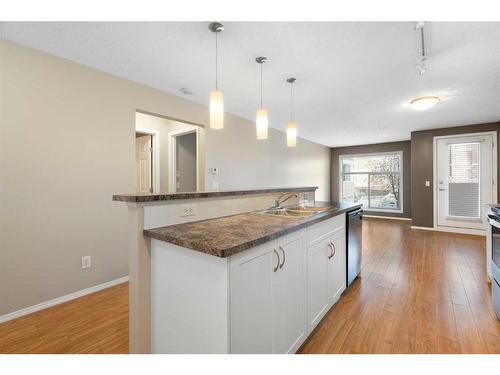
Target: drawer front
320 231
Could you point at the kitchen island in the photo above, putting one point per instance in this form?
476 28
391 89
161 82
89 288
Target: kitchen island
255 282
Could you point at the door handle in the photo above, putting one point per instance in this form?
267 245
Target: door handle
284 257
275 268
440 189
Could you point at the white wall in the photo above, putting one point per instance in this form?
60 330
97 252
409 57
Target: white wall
66 145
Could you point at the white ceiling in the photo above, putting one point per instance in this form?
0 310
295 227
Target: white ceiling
353 79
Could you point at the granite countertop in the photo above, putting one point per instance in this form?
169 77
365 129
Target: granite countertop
229 235
151 197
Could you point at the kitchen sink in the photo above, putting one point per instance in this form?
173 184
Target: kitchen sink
295 211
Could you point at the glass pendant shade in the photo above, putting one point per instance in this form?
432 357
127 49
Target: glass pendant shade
291 134
216 110
261 124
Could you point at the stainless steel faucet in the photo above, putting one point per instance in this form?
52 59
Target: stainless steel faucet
279 202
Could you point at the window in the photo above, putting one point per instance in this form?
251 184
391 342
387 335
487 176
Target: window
373 180
464 192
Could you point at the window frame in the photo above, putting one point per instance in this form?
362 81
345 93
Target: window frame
401 171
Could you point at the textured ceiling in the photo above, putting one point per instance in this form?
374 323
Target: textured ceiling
353 79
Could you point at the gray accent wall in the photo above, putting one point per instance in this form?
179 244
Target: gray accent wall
422 205
404 146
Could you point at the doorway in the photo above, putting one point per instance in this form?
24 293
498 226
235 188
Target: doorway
465 173
184 160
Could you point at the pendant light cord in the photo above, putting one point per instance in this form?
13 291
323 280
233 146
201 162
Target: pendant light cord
261 85
291 101
216 65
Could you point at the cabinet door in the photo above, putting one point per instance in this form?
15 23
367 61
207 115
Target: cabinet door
289 295
318 298
337 266
251 279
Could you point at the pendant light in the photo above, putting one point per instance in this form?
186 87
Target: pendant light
216 96
291 129
261 122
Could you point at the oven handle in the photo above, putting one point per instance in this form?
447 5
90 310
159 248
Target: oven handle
494 223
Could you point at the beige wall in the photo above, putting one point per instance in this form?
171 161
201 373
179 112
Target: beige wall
66 141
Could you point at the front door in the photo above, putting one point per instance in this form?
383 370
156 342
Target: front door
465 180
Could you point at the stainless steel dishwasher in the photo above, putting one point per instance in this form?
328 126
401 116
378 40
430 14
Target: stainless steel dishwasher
354 240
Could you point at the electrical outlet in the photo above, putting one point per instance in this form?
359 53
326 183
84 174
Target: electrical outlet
86 262
187 210
427 183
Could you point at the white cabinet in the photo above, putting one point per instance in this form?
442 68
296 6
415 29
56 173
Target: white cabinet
268 297
326 275
337 266
251 280
289 295
318 283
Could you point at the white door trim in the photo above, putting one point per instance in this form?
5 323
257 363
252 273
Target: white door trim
434 179
155 134
172 147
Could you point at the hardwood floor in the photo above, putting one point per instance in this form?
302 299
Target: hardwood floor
419 292
96 323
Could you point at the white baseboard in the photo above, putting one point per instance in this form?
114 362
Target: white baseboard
62 299
476 232
388 217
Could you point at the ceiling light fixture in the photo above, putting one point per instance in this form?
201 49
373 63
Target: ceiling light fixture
216 96
291 129
421 103
261 122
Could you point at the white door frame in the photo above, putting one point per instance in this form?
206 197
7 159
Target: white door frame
173 148
155 134
435 185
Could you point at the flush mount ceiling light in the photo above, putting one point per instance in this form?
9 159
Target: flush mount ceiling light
261 122
291 129
421 103
216 96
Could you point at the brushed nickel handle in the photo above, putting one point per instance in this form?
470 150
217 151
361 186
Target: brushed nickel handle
275 268
284 257
331 251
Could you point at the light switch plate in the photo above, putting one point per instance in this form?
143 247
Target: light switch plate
187 210
427 183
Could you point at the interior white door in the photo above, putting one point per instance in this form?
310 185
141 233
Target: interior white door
465 180
289 295
143 154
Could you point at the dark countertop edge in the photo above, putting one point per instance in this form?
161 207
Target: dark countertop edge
138 198
224 253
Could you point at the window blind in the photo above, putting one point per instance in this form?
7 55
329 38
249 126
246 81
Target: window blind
464 180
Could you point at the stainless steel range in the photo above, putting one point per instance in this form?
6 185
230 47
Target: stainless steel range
494 221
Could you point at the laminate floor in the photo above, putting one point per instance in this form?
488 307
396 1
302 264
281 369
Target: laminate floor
96 323
418 292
